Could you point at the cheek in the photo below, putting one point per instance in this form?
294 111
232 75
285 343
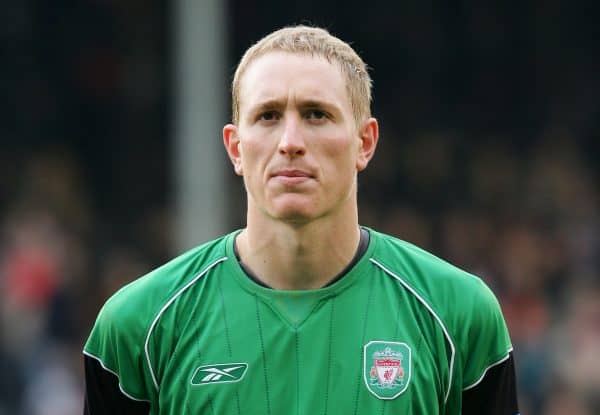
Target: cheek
248 147
341 151
255 155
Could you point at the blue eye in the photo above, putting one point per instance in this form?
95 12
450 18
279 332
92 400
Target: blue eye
268 116
316 114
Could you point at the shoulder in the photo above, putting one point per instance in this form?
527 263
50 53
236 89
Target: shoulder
144 295
429 275
128 314
460 299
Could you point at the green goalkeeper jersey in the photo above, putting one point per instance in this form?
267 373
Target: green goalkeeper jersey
402 332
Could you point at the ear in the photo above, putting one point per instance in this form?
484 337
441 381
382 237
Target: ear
232 145
368 135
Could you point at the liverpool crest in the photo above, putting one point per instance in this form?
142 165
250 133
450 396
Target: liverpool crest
386 368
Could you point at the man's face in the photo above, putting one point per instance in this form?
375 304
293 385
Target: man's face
297 144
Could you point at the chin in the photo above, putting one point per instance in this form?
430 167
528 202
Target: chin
297 213
294 216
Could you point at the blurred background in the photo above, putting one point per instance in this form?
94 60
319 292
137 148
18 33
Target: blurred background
111 163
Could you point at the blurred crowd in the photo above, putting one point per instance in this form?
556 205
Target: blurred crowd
488 158
59 261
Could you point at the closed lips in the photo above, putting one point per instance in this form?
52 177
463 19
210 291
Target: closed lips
291 173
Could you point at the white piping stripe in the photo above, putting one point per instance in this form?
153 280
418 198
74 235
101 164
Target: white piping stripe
408 287
114 373
162 310
505 358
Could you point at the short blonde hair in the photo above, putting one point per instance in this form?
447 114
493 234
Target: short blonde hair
315 42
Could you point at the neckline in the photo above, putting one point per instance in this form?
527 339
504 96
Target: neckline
348 276
363 244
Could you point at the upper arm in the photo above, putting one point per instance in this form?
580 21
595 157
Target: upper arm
103 394
495 393
116 345
485 341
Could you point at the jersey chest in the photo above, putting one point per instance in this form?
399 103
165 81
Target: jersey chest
365 350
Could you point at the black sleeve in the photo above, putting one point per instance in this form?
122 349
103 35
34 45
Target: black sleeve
103 395
496 394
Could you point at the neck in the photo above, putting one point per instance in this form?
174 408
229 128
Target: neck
295 257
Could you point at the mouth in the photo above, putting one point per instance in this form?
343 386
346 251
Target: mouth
291 176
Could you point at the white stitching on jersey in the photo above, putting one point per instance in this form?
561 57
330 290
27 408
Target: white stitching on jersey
412 290
505 358
114 373
162 310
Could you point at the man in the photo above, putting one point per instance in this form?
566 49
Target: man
303 311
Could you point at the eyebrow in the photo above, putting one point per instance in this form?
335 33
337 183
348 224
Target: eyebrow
269 104
272 104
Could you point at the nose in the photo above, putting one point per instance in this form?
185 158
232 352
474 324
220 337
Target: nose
292 142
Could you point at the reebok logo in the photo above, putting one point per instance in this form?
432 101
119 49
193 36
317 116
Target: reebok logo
219 373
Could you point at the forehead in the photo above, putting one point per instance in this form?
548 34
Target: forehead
276 75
